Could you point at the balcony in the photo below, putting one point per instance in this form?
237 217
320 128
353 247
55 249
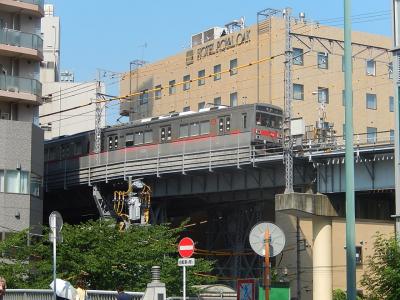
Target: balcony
13 88
28 7
27 45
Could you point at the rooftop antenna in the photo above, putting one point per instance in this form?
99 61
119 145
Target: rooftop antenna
235 25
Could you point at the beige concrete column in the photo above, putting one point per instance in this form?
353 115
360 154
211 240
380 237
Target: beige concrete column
322 258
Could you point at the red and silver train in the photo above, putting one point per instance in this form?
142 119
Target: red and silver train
263 122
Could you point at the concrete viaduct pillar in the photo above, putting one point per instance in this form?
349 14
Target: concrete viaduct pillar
319 208
322 258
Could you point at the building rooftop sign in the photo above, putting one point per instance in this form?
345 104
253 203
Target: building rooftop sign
224 43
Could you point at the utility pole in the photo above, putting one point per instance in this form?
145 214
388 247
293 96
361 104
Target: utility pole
97 128
137 63
298 264
396 80
349 157
287 142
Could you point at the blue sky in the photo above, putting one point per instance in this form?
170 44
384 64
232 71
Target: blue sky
110 34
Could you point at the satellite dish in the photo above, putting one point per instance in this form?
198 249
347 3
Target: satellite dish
257 239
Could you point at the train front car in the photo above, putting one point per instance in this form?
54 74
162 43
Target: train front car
267 130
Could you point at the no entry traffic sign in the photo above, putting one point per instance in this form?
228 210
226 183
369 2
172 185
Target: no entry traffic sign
186 247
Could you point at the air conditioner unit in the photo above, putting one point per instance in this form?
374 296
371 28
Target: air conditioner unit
197 39
212 34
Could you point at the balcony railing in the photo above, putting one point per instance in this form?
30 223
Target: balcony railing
20 84
36 2
21 39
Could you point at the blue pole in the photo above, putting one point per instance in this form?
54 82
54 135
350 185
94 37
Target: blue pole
349 158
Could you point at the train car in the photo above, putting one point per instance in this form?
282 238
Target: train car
262 121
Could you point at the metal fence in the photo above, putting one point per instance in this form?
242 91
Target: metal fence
26 294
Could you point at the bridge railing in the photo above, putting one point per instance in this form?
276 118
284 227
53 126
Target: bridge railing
337 142
156 159
33 294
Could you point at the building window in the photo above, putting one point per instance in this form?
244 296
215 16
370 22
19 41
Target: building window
371 135
343 98
391 104
16 181
322 60
217 101
172 87
217 72
244 120
186 82
1 181
298 56
298 91
390 70
391 140
323 95
233 67
342 63
186 108
371 101
157 92
36 185
358 255
201 105
201 77
344 131
233 99
371 67
144 97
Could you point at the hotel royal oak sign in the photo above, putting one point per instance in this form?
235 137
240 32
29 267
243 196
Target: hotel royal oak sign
220 45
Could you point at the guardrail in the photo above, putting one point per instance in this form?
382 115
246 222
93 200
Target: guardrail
31 294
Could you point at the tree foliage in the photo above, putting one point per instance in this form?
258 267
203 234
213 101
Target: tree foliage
382 277
338 294
100 254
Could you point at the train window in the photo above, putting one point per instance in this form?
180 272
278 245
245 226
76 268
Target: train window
78 149
205 127
194 128
221 125
228 123
139 138
129 140
110 143
184 130
148 136
244 120
169 133
52 154
266 120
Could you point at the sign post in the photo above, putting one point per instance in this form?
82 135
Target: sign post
56 223
185 249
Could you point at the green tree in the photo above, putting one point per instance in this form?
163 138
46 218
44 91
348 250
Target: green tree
382 277
338 294
102 255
